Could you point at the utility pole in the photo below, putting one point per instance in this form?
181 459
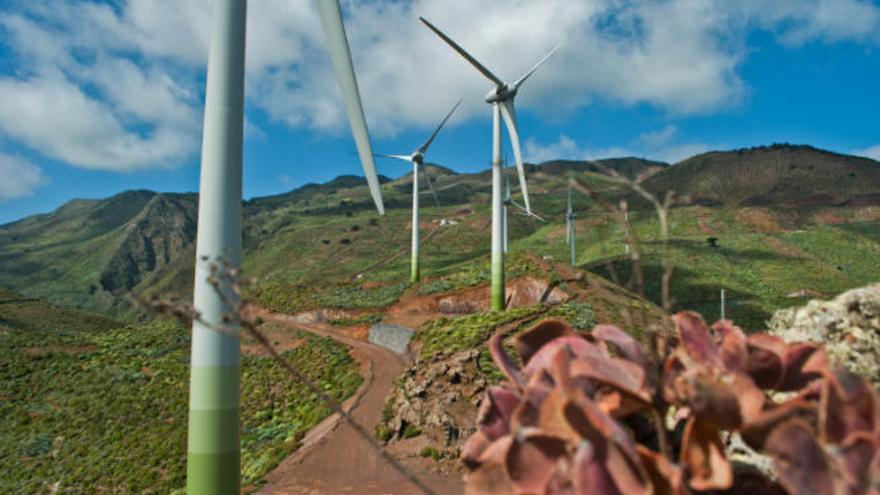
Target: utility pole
213 451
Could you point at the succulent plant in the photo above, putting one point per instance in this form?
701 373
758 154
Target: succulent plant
586 414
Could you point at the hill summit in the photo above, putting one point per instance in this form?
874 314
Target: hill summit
779 175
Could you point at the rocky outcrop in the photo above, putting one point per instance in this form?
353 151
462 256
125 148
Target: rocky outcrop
848 325
151 240
438 399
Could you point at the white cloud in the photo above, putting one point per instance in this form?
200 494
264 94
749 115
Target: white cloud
57 118
659 137
18 177
136 66
872 152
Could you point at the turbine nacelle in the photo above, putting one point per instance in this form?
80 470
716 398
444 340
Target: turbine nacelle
501 93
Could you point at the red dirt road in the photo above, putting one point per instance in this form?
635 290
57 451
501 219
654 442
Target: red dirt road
334 459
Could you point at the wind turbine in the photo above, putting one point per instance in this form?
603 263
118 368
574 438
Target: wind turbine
569 226
508 201
213 443
417 158
501 98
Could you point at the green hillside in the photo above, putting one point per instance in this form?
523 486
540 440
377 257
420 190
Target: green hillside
322 245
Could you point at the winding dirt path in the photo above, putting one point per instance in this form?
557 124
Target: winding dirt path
334 459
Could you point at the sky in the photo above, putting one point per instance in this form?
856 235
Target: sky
97 97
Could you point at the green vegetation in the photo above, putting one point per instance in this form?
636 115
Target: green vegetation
431 452
360 297
451 335
105 411
30 314
367 319
578 314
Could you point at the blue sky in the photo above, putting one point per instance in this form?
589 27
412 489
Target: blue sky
99 97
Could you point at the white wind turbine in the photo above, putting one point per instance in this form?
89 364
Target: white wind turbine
509 201
417 158
213 450
501 98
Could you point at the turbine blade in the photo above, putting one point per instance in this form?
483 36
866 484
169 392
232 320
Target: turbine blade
525 76
509 114
396 157
423 148
431 184
483 70
527 213
340 56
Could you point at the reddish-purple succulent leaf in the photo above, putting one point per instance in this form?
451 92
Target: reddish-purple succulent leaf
612 443
733 348
714 402
666 477
495 412
750 397
620 374
628 347
533 459
552 418
533 339
702 455
473 449
673 370
696 340
847 407
874 475
488 479
505 363
802 363
590 475
577 345
527 413
766 358
756 431
799 460
854 461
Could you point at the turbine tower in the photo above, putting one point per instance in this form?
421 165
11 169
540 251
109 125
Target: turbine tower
501 98
417 158
213 443
569 227
213 451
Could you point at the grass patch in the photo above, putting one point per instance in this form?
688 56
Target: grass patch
106 412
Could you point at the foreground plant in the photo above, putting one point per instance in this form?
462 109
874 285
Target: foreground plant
587 414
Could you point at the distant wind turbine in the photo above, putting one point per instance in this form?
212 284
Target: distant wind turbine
417 158
213 444
509 201
501 98
570 226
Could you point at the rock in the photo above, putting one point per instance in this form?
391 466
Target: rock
848 325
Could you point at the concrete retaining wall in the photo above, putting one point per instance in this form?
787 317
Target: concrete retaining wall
392 337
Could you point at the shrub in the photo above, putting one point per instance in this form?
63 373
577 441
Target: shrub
430 452
587 414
